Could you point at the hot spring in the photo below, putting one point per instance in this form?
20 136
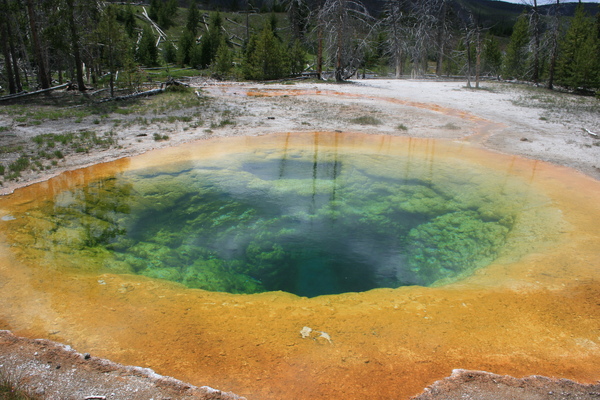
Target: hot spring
204 262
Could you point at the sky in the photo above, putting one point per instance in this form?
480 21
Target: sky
541 2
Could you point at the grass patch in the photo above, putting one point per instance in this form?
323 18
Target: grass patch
226 122
451 126
35 115
555 102
366 120
11 149
53 146
10 389
19 165
222 123
159 138
401 127
75 140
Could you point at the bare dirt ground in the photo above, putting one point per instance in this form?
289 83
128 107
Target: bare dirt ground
519 120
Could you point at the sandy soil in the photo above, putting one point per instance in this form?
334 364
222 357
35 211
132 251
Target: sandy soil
557 128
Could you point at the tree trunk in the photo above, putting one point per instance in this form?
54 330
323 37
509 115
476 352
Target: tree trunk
15 61
468 60
37 47
554 55
12 87
5 38
320 50
339 75
441 39
338 60
536 43
75 46
478 49
24 53
9 38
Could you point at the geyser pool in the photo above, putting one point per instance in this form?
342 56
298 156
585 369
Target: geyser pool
309 221
532 310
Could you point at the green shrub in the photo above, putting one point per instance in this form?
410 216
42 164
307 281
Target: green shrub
19 165
366 120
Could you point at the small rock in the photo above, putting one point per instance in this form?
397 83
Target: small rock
326 336
305 332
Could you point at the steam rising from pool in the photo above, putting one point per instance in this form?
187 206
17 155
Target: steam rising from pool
309 220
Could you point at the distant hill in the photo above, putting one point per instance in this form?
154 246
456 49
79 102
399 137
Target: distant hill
498 15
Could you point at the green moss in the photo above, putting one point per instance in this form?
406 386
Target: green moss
453 244
264 223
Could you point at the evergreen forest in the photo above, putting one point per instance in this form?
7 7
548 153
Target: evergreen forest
120 45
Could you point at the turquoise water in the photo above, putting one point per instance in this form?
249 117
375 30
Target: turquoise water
297 221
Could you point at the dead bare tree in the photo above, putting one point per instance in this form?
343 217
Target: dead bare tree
423 33
418 29
554 34
443 34
346 26
394 22
298 12
473 38
535 30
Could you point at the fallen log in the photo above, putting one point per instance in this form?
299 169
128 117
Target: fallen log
173 82
20 95
592 134
134 95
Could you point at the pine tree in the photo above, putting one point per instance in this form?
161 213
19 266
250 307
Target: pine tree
578 63
147 53
169 53
193 18
517 52
223 60
211 40
492 56
153 10
113 43
187 42
163 13
297 57
129 20
265 56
